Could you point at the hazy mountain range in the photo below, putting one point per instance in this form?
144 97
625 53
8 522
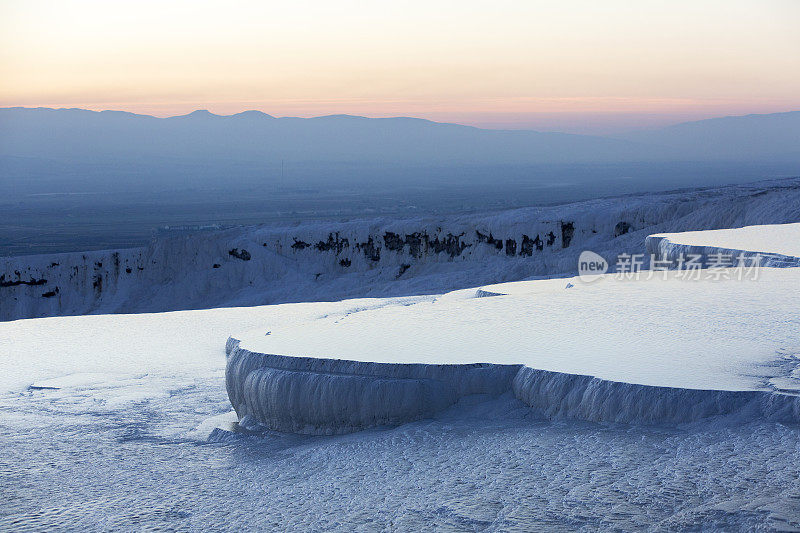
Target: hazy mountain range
130 150
78 133
256 136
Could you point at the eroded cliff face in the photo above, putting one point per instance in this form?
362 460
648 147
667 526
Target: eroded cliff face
327 260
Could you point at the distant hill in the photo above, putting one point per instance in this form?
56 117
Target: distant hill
77 134
775 135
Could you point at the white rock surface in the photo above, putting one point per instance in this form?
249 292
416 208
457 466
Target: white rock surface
658 350
335 260
773 245
783 239
667 332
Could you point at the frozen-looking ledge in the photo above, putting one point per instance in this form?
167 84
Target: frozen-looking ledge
775 245
340 396
664 350
327 396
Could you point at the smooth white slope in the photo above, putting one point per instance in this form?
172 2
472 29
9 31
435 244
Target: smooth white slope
151 353
723 335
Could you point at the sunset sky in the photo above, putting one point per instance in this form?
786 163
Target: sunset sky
578 66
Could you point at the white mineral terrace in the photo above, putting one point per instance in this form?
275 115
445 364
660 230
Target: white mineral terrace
774 239
781 239
658 350
665 332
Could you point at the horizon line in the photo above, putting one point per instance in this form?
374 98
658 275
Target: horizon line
206 112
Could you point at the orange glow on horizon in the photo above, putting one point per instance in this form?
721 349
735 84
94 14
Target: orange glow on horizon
508 64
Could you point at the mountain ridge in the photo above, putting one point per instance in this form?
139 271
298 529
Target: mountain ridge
197 113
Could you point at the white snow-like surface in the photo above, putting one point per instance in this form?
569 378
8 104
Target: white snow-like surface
672 332
114 433
727 335
783 239
137 354
378 258
661 349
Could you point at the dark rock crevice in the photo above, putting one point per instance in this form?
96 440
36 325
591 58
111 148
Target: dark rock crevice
50 294
567 232
511 247
415 241
333 243
621 228
451 244
528 245
244 255
420 243
33 282
97 283
371 252
393 241
299 245
489 239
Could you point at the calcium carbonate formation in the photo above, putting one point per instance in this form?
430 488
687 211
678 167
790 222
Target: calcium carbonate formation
668 354
335 260
328 396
